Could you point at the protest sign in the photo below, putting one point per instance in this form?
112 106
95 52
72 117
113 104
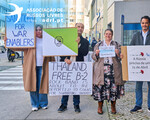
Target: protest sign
136 63
60 42
73 79
20 34
107 51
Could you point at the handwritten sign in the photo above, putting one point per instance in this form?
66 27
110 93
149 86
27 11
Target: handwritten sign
21 34
138 63
73 79
107 51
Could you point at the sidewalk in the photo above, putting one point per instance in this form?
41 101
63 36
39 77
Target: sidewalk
125 104
17 106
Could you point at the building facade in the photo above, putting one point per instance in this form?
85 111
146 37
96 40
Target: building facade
123 16
4 7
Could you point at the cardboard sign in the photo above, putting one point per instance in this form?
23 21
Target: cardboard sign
60 42
73 79
107 51
20 34
136 63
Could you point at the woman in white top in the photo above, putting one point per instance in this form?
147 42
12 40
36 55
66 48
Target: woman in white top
38 100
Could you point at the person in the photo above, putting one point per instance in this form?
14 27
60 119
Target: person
35 72
83 46
93 43
107 74
141 38
86 38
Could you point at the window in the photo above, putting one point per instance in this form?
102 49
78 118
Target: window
72 13
129 30
93 9
72 20
80 13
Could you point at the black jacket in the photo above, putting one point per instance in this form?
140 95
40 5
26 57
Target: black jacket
82 50
138 39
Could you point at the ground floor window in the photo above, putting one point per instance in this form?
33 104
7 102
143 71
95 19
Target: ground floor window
129 29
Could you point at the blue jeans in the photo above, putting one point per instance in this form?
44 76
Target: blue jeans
38 100
139 94
76 100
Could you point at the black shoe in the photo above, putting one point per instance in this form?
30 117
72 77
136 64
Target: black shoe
136 109
62 108
77 108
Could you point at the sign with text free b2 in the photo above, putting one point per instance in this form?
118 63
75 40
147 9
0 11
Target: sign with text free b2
21 34
73 79
136 63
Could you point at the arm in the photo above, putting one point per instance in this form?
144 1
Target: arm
95 55
117 50
62 58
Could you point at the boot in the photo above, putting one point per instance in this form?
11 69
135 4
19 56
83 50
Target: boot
100 106
113 107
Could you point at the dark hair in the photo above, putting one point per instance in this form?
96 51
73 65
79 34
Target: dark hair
109 30
38 25
79 23
145 17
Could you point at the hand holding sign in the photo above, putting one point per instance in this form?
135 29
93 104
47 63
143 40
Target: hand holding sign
121 55
117 52
5 38
97 52
68 61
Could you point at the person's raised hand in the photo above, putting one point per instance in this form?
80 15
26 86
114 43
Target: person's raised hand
68 61
97 52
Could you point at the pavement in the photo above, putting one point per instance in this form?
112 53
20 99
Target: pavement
15 104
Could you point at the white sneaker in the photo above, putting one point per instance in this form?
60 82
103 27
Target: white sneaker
44 108
34 109
148 109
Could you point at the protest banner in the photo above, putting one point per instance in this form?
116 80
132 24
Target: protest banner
60 42
136 63
107 51
73 79
20 34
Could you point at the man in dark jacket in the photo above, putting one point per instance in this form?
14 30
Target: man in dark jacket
141 38
83 47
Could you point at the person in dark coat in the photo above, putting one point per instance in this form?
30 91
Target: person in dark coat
94 42
83 48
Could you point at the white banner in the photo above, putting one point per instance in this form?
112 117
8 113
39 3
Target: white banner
138 63
107 51
73 79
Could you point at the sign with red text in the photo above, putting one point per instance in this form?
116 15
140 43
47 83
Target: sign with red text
138 63
73 79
